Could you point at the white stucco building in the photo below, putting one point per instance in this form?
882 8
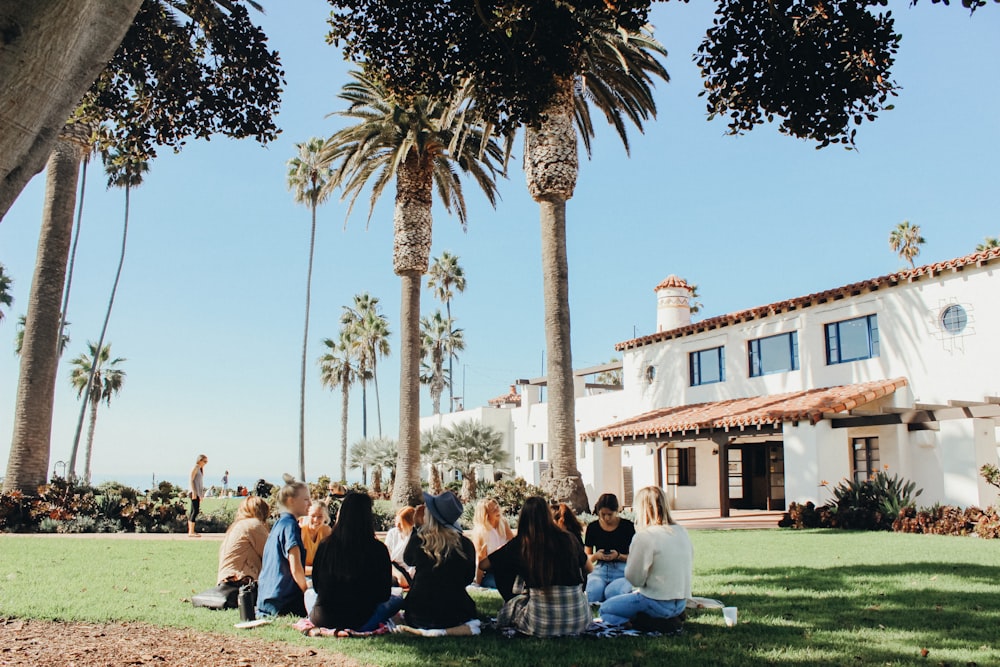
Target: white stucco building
765 406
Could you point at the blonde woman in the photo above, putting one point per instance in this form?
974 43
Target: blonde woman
282 581
490 531
659 566
445 563
315 527
243 546
196 491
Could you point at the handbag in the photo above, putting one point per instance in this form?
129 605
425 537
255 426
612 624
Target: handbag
222 596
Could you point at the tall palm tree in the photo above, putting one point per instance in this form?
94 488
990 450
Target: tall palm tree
6 298
905 240
439 340
307 179
433 450
370 336
337 370
988 242
124 171
445 278
470 444
28 463
616 77
95 381
417 143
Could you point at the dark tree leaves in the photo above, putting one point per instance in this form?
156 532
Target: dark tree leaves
819 66
187 68
516 50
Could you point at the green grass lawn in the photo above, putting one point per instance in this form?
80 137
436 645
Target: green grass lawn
806 597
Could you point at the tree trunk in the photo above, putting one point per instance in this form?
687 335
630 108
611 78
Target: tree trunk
410 258
305 347
52 52
551 168
27 465
344 391
90 440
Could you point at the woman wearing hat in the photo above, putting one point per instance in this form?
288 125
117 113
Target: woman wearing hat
445 563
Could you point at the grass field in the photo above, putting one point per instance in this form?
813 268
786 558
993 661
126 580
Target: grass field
804 598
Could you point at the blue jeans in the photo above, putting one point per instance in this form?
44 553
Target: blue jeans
606 581
622 608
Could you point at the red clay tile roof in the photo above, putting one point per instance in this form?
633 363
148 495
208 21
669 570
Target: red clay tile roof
854 289
671 281
809 405
507 399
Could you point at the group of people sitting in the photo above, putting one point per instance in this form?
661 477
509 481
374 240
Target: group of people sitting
549 573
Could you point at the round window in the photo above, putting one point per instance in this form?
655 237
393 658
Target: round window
953 319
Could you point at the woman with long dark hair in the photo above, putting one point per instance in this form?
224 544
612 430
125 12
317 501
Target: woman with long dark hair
351 572
552 566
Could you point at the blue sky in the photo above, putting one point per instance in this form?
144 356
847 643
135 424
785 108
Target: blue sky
209 313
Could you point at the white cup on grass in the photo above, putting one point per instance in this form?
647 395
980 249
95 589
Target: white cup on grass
729 614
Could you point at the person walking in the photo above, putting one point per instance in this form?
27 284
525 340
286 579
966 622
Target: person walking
196 491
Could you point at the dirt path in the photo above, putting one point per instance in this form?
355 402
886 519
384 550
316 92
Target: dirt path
54 644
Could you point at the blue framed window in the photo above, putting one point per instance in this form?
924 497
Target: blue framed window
851 340
707 366
774 354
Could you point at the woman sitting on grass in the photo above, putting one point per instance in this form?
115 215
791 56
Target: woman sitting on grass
243 546
490 531
445 563
396 540
607 544
315 527
351 574
552 565
659 566
283 569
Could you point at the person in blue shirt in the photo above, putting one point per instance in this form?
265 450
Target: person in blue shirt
282 583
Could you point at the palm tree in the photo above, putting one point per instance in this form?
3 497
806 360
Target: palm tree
124 171
337 370
905 240
616 77
437 341
446 276
418 143
988 242
470 444
6 298
433 450
28 463
97 381
307 179
370 336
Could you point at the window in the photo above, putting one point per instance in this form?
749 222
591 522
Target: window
681 466
774 354
954 319
851 340
707 366
866 460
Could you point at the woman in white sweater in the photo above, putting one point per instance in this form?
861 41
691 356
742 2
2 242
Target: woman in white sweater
659 566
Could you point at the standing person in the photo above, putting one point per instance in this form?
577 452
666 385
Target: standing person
490 531
282 581
243 546
351 573
607 545
396 540
659 566
315 527
445 563
552 565
196 491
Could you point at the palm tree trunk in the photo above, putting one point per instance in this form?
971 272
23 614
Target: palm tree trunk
344 390
551 168
90 440
95 365
305 346
411 252
28 462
